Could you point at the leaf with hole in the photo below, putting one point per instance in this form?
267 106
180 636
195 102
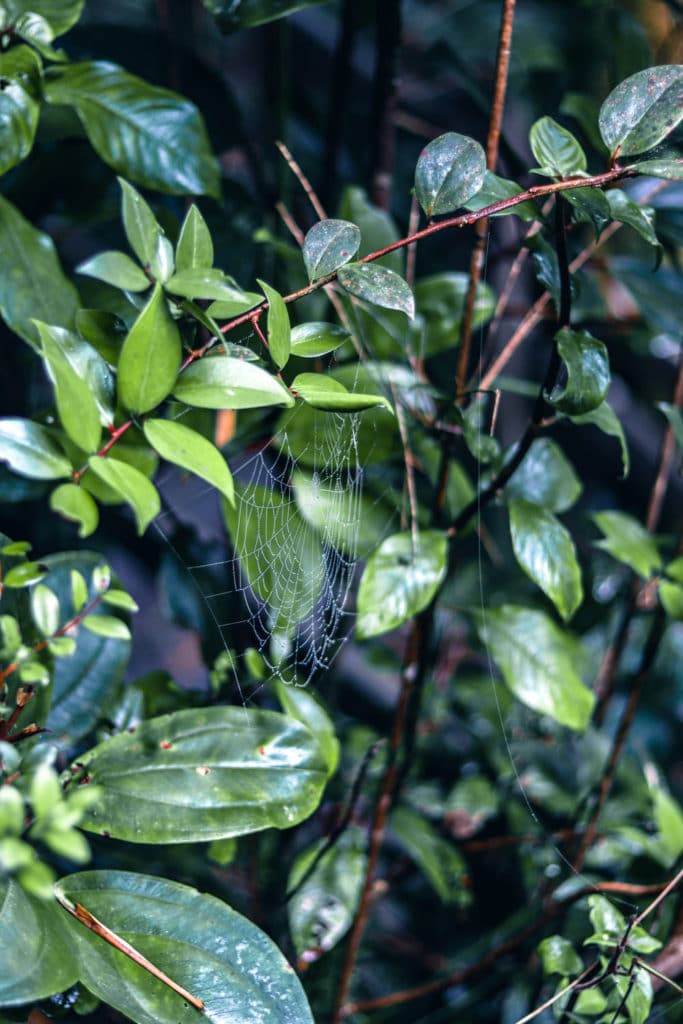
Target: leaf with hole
377 285
587 367
450 170
538 661
625 539
130 485
150 357
225 383
186 448
329 245
544 549
642 110
556 150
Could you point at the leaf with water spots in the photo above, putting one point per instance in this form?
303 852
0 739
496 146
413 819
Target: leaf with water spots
451 170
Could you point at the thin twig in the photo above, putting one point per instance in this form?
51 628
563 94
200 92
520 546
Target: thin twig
302 179
558 995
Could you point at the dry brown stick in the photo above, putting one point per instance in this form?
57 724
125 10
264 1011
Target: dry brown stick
302 179
492 144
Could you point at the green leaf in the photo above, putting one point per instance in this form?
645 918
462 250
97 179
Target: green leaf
591 207
640 218
224 309
556 150
143 231
186 448
61 15
628 541
149 134
588 376
76 405
104 331
207 283
233 16
324 392
194 250
195 939
546 477
107 625
400 579
44 962
378 285
442 863
32 283
377 228
643 109
120 599
538 661
440 301
299 703
329 245
45 609
317 339
545 550
150 357
671 596
322 910
220 382
610 927
75 504
118 269
605 419
131 486
665 167
450 171
28 449
558 956
493 190
12 812
279 330
18 122
24 575
203 774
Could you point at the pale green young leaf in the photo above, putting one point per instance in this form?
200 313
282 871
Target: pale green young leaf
150 357
131 486
107 625
194 250
186 448
323 392
76 404
117 269
143 230
225 383
317 339
45 609
75 504
628 541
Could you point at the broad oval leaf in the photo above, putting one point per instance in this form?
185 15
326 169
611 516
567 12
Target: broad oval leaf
545 550
32 283
150 357
299 703
546 477
665 167
18 122
107 625
538 661
558 956
322 392
643 109
317 339
29 449
628 541
279 329
44 962
588 377
556 150
400 579
378 285
76 405
45 609
224 383
203 774
640 218
186 448
329 245
149 134
450 171
118 269
60 15
75 504
194 250
197 940
131 486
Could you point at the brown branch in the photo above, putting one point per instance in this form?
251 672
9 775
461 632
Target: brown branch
492 143
302 179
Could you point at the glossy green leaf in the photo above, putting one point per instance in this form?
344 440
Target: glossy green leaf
538 661
118 269
378 285
590 206
232 16
493 190
224 309
323 392
149 134
322 910
665 167
150 357
224 383
610 927
194 250
186 448
18 122
299 703
24 575
34 29
76 405
107 625
329 245
44 961
28 449
32 283
450 171
587 367
131 486
556 150
197 940
143 231
75 504
400 579
130 451
61 15
640 218
442 863
45 609
104 331
79 359
208 283
558 956
203 774
545 550
628 541
120 599
605 419
643 109
317 339
546 477
440 301
278 326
